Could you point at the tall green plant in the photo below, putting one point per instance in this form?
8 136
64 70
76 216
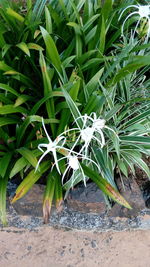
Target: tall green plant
62 65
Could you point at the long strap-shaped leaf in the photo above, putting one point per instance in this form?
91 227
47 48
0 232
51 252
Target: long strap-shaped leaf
30 180
73 108
105 186
3 186
51 49
47 89
27 121
53 190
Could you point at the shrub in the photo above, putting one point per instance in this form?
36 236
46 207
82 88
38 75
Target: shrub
67 63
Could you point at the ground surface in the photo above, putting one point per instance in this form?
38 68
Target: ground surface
48 247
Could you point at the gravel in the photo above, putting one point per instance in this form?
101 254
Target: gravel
70 219
75 220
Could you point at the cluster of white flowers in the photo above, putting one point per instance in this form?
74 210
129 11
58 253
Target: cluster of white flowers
144 13
92 130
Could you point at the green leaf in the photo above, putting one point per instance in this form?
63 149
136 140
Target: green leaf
14 14
90 22
28 155
73 108
23 46
66 62
4 66
16 75
48 195
102 36
6 47
19 165
9 89
75 90
94 104
122 167
137 63
48 21
55 15
102 163
65 117
51 50
35 46
93 83
76 27
22 99
27 121
30 180
9 109
90 35
58 192
44 99
47 89
92 63
38 9
3 187
7 121
64 9
4 163
113 111
106 9
105 186
136 139
138 118
138 161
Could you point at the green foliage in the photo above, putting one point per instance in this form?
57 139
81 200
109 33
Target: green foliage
59 62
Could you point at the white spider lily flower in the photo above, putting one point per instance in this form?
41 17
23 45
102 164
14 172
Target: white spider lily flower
143 11
52 146
93 130
87 134
74 164
99 123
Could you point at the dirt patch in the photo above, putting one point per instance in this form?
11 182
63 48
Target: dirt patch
55 247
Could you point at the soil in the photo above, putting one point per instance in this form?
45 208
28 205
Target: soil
50 247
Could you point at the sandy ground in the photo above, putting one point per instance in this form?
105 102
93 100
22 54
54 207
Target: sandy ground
50 247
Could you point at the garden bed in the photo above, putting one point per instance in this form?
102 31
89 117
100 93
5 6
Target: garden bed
74 108
84 209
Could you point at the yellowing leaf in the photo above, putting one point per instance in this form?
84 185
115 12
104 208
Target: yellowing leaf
35 46
37 32
14 14
29 181
23 46
105 186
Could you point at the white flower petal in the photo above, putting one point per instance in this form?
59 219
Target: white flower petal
48 137
142 10
99 124
87 134
73 163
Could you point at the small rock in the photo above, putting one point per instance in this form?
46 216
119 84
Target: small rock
87 199
31 203
134 197
93 244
